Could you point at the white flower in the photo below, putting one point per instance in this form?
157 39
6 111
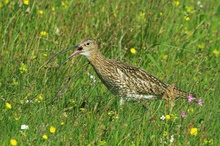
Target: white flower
200 4
171 138
24 127
57 31
162 117
29 101
92 77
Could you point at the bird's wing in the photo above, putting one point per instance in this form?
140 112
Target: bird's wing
140 81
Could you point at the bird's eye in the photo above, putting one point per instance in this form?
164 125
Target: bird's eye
87 44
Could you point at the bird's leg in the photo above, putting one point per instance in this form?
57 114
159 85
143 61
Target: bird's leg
122 101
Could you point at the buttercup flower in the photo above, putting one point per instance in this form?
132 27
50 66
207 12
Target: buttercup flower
176 3
167 117
52 129
6 2
40 12
23 68
13 142
216 52
8 105
201 46
189 9
115 15
194 131
43 33
26 2
45 137
165 133
165 57
133 51
186 18
190 110
39 98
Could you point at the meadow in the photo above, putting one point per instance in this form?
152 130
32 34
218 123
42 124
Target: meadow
176 41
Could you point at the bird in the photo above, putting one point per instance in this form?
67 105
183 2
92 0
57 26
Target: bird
127 81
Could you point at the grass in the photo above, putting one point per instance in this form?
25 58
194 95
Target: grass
175 41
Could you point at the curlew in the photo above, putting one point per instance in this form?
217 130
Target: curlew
127 81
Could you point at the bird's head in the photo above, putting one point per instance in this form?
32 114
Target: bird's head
85 47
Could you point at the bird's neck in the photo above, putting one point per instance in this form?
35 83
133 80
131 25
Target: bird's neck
97 59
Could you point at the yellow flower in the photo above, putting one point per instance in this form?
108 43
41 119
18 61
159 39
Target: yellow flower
65 4
194 78
190 110
176 3
45 55
6 2
174 117
167 117
110 113
165 57
194 131
43 33
62 123
14 82
186 18
133 51
17 118
53 8
115 15
52 129
211 142
13 142
23 68
201 46
161 13
102 142
208 142
216 52
40 12
45 137
141 17
142 14
189 9
8 105
82 109
103 9
72 101
116 116
39 98
26 2
165 133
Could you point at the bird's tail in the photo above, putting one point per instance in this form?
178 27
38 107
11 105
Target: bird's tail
175 92
180 93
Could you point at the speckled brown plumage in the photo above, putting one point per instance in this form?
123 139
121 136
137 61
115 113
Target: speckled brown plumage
123 79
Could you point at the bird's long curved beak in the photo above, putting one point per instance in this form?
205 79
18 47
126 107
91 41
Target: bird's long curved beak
63 51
